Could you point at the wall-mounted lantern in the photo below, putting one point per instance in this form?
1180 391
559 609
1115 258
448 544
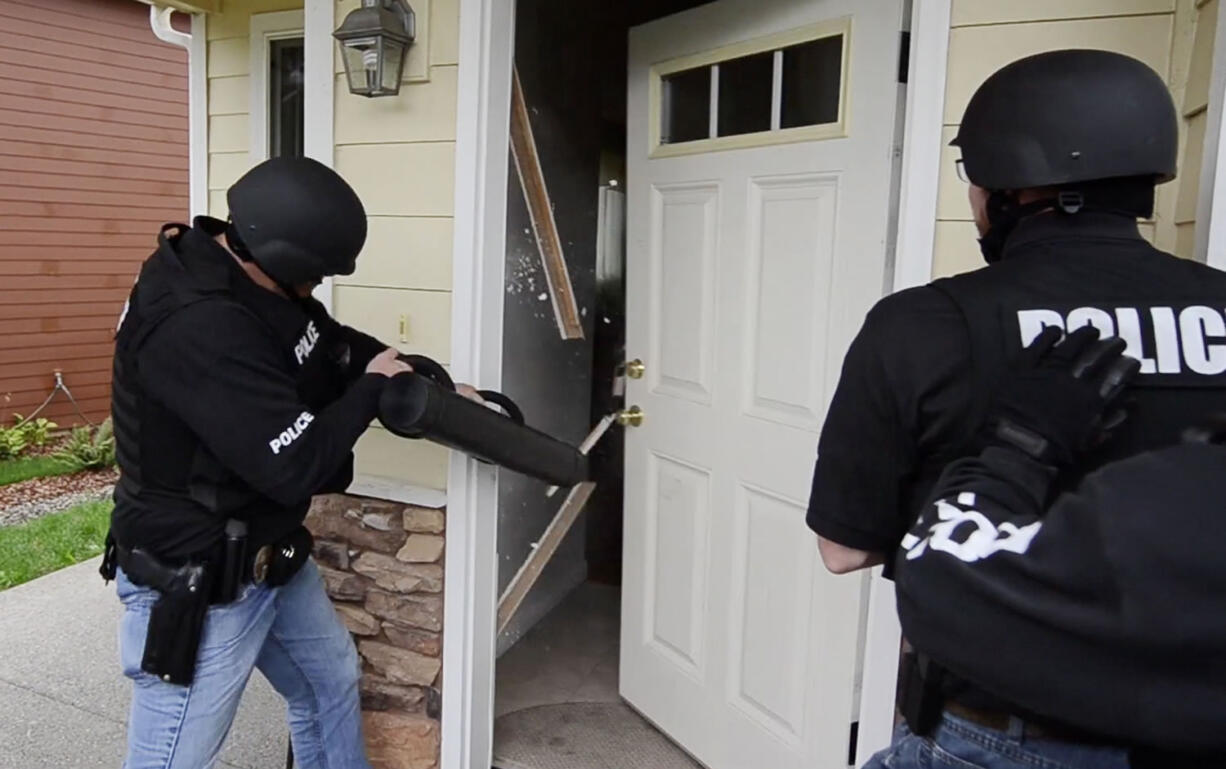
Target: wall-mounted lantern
375 41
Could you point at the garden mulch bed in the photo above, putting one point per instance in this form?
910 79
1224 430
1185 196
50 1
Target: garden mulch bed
30 499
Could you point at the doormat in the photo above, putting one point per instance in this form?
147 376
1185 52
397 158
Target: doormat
583 735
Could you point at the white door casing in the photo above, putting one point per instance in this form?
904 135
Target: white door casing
749 270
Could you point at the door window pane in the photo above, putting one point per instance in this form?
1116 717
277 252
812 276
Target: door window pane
285 120
686 109
812 82
745 94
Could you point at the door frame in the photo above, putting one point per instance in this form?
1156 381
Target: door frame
1211 203
487 35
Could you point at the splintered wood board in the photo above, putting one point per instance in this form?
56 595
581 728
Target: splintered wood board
527 575
540 211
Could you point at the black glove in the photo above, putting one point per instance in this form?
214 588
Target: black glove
1062 396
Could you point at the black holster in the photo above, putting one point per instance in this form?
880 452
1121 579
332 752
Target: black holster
921 695
176 621
414 406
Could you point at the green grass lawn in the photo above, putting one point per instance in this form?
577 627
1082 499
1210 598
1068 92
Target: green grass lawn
25 468
52 542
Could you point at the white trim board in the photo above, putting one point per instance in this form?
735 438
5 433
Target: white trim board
921 146
917 216
396 490
318 107
483 120
1211 204
266 27
198 116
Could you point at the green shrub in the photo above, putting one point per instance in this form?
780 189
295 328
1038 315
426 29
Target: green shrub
91 449
36 431
13 442
22 435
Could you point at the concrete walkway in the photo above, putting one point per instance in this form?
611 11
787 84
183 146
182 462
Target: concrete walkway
63 700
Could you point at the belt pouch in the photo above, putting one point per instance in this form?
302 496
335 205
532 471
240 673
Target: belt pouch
176 623
289 555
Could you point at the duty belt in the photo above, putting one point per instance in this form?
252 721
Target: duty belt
146 570
234 566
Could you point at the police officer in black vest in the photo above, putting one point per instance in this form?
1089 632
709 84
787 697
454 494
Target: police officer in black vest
1062 151
1097 613
236 398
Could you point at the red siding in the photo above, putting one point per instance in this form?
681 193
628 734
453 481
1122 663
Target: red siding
93 159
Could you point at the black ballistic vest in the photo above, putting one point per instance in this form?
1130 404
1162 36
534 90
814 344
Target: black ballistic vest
173 494
1171 313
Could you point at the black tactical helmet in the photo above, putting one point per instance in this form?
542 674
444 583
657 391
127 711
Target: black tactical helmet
1069 116
297 219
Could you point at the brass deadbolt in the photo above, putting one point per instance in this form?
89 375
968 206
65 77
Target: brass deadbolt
631 417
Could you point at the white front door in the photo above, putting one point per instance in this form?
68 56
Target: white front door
760 158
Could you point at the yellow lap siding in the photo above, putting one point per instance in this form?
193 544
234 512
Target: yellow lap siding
445 32
419 462
229 96
217 204
226 167
987 34
424 111
229 57
229 133
1187 185
405 252
966 12
976 52
378 312
401 179
1201 70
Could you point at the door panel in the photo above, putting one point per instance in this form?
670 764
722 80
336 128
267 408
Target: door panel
751 261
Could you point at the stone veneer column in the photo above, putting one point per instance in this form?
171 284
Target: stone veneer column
382 563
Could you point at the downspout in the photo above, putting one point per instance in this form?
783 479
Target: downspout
159 20
197 134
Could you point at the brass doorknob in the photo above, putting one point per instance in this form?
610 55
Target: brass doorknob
635 369
631 417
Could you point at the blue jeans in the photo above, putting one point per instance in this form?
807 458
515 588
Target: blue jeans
960 744
295 638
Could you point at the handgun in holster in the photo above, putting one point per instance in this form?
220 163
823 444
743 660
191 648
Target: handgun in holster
176 621
185 592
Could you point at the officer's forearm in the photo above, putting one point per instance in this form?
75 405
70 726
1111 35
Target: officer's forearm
840 559
362 349
307 455
1018 483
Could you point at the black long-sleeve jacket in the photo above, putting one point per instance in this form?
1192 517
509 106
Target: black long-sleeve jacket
1104 608
229 401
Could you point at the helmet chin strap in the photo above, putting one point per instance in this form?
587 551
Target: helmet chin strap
1004 212
1130 198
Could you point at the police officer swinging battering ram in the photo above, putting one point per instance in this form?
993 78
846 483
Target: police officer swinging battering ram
236 398
1062 151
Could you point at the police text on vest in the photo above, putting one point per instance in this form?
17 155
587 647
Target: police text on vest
291 433
1166 340
306 343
